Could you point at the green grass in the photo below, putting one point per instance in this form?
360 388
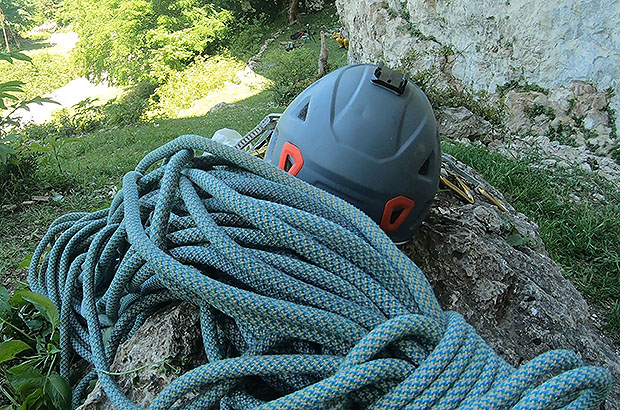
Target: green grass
124 147
89 181
579 231
22 230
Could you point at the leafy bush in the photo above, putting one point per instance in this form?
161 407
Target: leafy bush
130 107
81 118
87 116
29 353
248 36
202 77
295 71
41 75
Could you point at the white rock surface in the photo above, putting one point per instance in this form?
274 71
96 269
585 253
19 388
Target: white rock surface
544 42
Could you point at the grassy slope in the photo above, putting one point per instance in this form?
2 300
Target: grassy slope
94 165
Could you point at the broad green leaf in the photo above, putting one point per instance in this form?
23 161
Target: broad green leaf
20 56
25 379
10 83
41 100
26 262
11 348
4 300
58 391
11 88
8 407
42 304
9 96
24 370
34 324
7 149
33 401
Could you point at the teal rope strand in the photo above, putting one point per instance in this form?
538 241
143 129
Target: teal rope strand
304 302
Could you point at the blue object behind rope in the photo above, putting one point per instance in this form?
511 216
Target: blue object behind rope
295 287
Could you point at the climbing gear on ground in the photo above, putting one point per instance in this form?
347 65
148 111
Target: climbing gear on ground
304 302
455 178
368 135
259 135
452 180
341 36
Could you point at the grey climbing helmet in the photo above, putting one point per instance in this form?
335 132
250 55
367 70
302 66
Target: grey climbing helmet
368 135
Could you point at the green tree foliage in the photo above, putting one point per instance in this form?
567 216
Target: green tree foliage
18 16
245 9
128 41
9 103
45 10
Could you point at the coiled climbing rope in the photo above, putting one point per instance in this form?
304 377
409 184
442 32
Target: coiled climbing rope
304 302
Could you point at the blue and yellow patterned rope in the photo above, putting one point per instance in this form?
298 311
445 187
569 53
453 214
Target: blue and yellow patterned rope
304 302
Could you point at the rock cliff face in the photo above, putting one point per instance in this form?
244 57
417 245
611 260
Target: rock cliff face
490 42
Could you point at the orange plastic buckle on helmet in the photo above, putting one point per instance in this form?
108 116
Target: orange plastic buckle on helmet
291 159
395 212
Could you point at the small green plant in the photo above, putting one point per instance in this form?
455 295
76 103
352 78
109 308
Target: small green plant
611 113
562 134
412 29
453 97
51 146
520 86
534 110
29 353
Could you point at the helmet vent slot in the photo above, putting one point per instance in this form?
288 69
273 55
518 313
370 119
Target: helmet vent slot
289 163
304 112
425 167
395 214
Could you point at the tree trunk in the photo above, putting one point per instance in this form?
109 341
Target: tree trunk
293 12
323 56
6 40
15 39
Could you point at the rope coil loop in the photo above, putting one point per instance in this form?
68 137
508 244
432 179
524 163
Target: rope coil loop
304 302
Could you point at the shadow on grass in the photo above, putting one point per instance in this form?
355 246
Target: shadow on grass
28 44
